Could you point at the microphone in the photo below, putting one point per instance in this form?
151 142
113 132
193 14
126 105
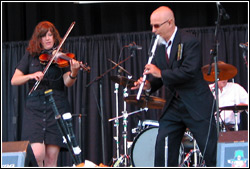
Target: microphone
224 13
243 45
133 46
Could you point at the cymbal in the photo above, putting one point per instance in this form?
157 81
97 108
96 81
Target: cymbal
235 107
225 71
150 102
121 80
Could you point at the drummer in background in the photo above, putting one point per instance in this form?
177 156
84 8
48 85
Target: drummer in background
229 94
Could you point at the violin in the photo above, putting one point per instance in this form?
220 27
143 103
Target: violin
62 60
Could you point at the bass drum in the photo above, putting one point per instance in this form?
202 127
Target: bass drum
143 148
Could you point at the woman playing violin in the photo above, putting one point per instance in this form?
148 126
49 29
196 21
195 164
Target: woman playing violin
39 124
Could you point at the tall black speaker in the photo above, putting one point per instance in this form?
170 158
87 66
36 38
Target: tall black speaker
18 154
232 149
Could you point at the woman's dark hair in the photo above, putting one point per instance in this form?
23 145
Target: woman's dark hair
35 47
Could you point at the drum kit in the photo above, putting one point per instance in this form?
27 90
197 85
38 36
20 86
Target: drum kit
143 145
142 148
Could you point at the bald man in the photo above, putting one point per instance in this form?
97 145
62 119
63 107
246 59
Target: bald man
189 101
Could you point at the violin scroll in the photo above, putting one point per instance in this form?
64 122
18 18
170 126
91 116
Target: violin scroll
85 67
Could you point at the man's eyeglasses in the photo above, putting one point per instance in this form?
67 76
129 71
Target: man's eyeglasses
158 25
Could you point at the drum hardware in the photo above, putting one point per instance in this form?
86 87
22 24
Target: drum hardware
222 124
125 82
128 114
188 133
120 161
125 122
116 138
236 109
188 161
117 121
138 128
195 152
124 158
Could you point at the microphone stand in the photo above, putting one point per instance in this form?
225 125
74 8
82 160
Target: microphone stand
215 56
79 117
244 54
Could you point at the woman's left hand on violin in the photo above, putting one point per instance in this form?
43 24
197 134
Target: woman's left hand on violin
74 67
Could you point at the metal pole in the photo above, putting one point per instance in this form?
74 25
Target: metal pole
102 123
117 121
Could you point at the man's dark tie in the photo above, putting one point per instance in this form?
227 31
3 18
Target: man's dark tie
166 49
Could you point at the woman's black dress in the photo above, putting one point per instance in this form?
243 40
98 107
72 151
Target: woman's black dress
39 124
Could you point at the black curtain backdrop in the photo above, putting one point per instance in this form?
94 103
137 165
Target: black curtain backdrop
20 18
94 49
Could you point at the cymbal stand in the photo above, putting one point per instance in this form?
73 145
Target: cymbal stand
125 122
221 123
195 154
236 119
124 158
134 112
235 114
117 122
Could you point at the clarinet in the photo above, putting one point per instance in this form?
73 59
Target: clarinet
76 149
61 124
149 61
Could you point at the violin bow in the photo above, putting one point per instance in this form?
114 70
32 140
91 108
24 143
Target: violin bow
53 56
